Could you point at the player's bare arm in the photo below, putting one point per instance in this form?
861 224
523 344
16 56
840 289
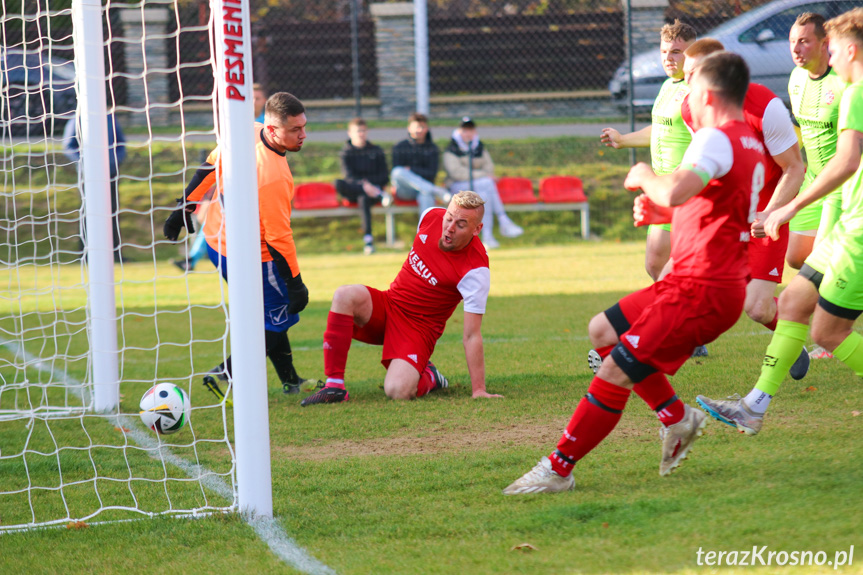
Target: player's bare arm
793 171
837 171
614 139
666 191
474 354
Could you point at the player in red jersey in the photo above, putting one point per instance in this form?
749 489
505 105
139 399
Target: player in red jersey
651 332
447 264
769 118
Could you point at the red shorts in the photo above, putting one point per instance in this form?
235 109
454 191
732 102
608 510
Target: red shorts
767 257
672 317
402 337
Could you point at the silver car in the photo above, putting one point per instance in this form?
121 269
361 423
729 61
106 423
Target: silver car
760 36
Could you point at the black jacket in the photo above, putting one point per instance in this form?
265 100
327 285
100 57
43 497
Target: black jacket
422 159
367 163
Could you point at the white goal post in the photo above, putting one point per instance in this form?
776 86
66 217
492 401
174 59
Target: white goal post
89 320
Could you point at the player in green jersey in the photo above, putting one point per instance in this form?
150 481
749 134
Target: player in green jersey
829 286
815 92
667 135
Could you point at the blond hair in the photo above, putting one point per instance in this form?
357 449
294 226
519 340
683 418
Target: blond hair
848 25
468 200
677 30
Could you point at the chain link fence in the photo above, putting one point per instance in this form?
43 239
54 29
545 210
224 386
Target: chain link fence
510 59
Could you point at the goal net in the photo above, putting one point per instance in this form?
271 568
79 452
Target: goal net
105 313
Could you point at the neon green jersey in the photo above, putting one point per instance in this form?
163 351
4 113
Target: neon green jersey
669 136
851 118
815 104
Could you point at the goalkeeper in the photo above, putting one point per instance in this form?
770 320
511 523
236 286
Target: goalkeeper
285 294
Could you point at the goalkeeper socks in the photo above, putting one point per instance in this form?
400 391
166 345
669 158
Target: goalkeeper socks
595 417
337 343
279 351
850 352
771 325
783 351
657 392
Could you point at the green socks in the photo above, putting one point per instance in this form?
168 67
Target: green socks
850 352
783 351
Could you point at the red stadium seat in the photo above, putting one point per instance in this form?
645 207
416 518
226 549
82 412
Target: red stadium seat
561 189
315 196
516 191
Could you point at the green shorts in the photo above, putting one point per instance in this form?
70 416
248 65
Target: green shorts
655 227
839 256
809 217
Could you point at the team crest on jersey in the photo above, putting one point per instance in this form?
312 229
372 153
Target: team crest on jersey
829 96
423 238
679 95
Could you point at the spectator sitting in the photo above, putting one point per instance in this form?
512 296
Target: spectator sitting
478 176
365 173
415 165
259 101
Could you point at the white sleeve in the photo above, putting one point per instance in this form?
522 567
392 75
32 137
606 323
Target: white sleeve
473 288
423 215
709 154
779 134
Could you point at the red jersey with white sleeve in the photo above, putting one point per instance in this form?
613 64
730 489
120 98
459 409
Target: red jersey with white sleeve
769 118
711 230
432 282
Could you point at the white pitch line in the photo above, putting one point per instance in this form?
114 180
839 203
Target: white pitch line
267 529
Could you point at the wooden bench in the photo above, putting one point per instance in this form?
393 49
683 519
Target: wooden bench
556 193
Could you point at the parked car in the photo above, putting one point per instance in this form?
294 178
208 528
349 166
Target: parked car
760 36
37 92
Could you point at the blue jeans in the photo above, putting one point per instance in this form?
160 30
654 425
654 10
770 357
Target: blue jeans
410 186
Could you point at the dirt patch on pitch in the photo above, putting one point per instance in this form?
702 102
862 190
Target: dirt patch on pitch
432 442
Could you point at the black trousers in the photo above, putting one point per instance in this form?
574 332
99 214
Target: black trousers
355 194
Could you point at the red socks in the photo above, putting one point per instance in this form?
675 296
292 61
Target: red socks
604 350
772 325
337 343
426 383
659 395
595 417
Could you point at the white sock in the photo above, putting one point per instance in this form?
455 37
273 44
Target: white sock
757 401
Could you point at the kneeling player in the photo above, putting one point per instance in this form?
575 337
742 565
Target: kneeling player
653 331
447 263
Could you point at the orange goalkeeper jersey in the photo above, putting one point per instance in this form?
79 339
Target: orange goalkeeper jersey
275 192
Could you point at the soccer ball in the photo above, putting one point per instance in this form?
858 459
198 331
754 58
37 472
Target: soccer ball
165 408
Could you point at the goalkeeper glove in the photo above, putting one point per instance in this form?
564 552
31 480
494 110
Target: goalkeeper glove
298 294
180 218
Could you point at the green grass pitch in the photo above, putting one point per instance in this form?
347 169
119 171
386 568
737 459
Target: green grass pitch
375 486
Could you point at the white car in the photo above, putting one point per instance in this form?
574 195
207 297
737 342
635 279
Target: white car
760 36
